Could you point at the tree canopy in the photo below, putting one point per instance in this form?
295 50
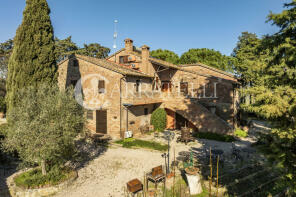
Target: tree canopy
64 48
209 57
5 52
251 59
267 65
45 122
33 56
165 55
94 50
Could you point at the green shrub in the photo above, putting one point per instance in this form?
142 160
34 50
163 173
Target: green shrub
240 133
131 142
158 119
214 136
3 129
34 178
2 104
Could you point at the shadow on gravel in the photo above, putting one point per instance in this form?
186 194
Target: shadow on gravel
87 150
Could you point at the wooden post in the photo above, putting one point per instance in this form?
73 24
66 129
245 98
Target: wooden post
174 172
217 185
210 178
43 167
144 186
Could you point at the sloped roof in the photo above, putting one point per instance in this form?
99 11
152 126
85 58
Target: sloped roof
136 51
208 67
163 63
109 65
112 66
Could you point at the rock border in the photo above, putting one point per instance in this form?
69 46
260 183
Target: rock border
16 191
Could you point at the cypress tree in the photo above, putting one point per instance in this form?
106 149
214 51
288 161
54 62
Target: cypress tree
33 57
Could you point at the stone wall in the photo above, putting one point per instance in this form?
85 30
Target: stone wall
90 74
16 191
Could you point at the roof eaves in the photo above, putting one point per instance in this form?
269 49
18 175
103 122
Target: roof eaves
211 68
115 53
163 63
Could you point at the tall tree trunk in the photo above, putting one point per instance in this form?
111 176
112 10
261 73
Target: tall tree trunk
43 167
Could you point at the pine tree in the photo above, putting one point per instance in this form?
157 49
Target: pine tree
33 57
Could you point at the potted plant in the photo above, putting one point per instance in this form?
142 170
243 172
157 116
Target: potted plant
194 180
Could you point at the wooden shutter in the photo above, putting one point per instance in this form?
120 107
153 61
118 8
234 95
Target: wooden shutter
89 114
101 121
101 86
125 59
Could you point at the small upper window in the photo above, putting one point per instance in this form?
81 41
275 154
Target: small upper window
123 59
138 85
145 111
101 86
89 115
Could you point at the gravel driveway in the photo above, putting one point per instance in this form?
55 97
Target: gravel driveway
106 175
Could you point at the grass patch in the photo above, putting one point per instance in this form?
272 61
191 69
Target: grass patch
240 133
34 178
179 190
214 136
131 142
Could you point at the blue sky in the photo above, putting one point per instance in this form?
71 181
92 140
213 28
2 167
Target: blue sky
177 25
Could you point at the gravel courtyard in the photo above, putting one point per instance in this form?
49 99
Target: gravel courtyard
108 173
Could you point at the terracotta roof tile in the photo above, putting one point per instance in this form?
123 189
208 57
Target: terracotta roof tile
112 66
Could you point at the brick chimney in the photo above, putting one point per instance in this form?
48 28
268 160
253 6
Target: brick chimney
145 59
128 44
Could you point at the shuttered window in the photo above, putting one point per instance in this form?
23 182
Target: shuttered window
145 111
123 59
89 115
101 86
138 85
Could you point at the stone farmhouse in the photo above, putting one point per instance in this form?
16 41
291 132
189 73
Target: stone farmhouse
121 92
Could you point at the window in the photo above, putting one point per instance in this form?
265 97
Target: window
123 59
155 84
166 86
89 115
184 87
145 111
101 86
138 85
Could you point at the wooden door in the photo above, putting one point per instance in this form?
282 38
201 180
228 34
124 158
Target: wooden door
166 86
184 88
101 121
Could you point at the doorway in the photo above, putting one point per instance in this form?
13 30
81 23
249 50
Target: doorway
101 121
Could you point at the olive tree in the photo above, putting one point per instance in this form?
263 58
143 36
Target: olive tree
44 125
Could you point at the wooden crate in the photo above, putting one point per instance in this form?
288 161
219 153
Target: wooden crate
134 185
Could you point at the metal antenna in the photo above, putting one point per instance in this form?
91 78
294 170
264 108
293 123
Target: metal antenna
115 34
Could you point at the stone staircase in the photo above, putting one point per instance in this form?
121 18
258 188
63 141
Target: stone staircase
199 115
